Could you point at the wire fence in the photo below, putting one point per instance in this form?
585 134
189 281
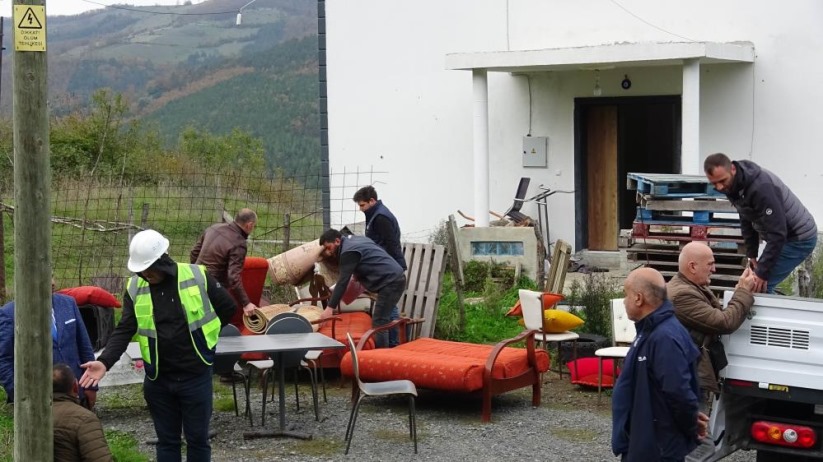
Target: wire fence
94 218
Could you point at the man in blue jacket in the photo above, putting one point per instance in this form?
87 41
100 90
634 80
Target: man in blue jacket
655 400
70 344
382 227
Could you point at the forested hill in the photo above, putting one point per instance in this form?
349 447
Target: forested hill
191 65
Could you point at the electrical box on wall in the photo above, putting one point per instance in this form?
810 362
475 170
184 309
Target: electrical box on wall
535 150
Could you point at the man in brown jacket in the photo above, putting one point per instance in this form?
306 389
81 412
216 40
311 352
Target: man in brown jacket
702 313
78 435
222 250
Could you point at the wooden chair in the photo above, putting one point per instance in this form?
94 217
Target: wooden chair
623 334
532 304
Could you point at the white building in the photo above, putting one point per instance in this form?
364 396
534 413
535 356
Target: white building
439 94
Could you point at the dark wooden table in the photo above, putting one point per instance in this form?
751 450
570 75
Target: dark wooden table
276 345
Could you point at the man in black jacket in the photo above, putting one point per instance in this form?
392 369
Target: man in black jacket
177 311
768 211
374 268
382 227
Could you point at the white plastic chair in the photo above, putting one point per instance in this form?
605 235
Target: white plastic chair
532 304
623 333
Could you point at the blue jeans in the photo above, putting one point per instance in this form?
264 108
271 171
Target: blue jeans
176 405
387 299
394 336
793 254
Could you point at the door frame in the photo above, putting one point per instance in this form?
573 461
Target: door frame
580 177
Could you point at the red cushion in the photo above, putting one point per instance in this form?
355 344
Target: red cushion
355 323
91 295
549 301
440 364
584 372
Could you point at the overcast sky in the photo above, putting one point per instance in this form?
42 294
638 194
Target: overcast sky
67 7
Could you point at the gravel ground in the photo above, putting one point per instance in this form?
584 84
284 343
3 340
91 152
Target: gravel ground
568 426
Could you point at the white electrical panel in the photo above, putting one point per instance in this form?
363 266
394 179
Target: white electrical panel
535 151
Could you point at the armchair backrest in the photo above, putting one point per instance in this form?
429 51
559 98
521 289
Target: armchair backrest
622 327
531 303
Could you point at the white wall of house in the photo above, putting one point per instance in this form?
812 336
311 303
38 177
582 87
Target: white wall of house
394 108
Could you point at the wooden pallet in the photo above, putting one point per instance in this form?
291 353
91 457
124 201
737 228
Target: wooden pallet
729 262
698 204
671 185
682 232
673 218
424 278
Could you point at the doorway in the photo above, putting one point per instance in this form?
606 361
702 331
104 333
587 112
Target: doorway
614 136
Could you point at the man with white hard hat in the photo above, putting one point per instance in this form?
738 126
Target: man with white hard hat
177 311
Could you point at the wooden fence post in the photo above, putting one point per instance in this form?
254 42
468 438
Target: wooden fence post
457 270
286 231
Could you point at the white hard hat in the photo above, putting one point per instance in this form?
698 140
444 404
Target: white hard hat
145 248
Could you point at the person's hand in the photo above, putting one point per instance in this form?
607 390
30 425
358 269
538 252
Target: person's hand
760 284
702 425
91 398
95 371
747 280
753 263
248 310
327 313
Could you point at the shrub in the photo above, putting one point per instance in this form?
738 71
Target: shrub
593 297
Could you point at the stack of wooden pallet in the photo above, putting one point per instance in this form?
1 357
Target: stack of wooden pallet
676 209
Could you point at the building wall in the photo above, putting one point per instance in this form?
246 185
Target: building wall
394 108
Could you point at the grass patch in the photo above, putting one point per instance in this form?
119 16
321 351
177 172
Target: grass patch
321 447
485 321
123 397
124 447
396 436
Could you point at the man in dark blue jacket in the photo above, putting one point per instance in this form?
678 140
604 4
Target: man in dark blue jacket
655 400
769 211
382 227
374 268
70 344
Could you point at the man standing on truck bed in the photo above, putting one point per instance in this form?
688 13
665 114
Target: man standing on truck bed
768 211
655 400
702 313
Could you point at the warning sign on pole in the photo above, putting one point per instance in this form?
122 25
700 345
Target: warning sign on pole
29 28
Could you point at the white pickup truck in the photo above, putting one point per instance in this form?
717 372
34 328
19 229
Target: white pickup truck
772 398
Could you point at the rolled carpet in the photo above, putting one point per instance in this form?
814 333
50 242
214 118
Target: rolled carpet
258 321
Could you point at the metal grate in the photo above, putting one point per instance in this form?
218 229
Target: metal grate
780 337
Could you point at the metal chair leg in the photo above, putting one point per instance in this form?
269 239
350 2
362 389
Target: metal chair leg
413 421
352 422
234 395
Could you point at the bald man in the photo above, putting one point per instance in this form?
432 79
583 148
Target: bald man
655 413
702 313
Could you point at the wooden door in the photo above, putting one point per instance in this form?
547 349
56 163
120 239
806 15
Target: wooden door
601 165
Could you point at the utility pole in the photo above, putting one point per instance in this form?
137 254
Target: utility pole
33 438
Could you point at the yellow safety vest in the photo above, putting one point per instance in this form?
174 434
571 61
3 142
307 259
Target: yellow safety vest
204 325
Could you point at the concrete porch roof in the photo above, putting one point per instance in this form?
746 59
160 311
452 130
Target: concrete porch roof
603 57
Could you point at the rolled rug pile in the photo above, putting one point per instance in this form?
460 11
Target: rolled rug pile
258 321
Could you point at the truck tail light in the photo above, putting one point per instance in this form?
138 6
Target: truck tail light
795 436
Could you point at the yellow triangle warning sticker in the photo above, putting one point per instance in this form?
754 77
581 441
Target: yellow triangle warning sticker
30 20
29 28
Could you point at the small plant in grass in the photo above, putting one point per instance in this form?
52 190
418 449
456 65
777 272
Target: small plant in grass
592 299
475 275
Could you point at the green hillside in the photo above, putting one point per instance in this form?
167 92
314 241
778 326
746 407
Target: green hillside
192 66
276 102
